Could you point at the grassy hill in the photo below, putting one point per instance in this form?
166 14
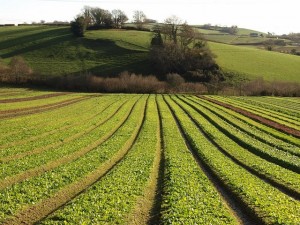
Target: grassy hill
53 51
257 63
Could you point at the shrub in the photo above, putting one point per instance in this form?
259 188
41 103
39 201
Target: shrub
78 26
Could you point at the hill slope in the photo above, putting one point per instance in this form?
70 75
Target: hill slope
257 63
53 51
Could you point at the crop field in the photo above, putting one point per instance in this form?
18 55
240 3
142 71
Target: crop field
86 158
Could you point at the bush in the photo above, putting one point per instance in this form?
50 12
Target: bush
78 27
16 72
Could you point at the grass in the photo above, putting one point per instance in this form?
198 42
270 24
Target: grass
53 51
254 63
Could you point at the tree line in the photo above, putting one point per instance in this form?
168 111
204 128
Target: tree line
97 18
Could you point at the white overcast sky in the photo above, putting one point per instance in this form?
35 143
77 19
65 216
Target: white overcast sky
278 16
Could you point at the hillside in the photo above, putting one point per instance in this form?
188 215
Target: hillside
54 51
257 63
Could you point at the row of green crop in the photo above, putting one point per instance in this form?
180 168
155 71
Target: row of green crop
63 124
188 195
267 203
271 115
23 94
217 130
280 105
269 108
280 102
269 130
37 103
253 145
41 187
12 91
251 130
78 128
113 198
80 143
18 128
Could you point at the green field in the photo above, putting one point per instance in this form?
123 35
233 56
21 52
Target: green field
78 158
53 51
254 63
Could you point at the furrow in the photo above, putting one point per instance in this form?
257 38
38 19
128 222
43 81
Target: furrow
47 121
259 199
69 139
247 130
285 160
235 207
155 216
8 181
280 127
146 206
32 98
256 172
21 112
37 212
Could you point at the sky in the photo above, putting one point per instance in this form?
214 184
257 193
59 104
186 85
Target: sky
275 16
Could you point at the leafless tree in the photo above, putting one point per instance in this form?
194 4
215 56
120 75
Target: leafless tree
139 18
170 28
119 18
187 35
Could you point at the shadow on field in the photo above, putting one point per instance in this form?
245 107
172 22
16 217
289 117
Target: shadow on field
36 46
32 39
113 58
19 30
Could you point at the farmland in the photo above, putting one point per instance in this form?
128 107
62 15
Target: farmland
86 158
53 51
254 63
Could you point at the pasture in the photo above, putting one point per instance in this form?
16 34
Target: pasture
78 158
254 63
53 51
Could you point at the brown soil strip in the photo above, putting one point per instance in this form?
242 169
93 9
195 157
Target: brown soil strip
17 132
281 187
32 97
270 123
235 206
38 109
241 128
143 211
42 209
8 181
66 140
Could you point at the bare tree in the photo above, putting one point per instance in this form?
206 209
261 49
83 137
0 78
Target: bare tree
118 18
87 15
101 17
171 27
139 18
187 35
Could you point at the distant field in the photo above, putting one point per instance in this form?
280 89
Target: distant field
257 63
81 158
53 51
